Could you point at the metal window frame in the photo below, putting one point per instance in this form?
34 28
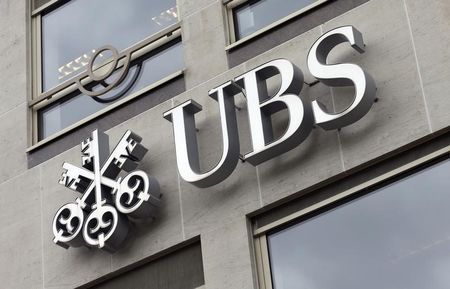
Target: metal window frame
263 269
230 5
49 5
39 99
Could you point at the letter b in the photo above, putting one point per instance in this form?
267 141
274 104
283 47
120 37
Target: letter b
261 106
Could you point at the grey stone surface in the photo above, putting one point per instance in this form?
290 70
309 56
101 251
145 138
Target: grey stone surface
226 256
188 7
313 161
13 141
399 116
20 232
204 45
13 82
430 24
165 230
75 266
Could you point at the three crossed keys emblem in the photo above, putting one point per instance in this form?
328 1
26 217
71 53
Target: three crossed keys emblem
110 197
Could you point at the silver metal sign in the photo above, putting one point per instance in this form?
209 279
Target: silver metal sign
100 217
346 74
260 105
186 147
114 70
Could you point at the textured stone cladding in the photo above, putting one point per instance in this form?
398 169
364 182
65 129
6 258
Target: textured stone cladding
407 54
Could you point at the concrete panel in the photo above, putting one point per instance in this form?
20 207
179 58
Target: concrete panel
233 197
13 141
188 7
316 159
150 237
226 256
204 209
20 232
75 266
430 23
399 116
13 83
204 45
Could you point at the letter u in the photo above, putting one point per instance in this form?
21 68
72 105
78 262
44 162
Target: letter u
185 135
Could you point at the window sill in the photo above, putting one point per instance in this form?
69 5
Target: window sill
121 102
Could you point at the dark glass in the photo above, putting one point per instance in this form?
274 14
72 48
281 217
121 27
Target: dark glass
181 269
71 32
73 108
395 237
254 15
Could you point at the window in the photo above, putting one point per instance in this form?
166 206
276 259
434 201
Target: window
396 236
92 55
255 16
179 269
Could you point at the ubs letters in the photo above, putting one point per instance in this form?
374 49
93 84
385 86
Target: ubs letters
303 113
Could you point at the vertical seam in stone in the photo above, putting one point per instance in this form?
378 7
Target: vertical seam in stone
418 66
338 133
42 226
183 234
259 188
181 206
341 151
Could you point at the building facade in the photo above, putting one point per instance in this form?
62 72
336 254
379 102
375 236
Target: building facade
357 197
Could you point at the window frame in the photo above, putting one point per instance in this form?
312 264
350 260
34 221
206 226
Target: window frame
230 5
260 234
39 99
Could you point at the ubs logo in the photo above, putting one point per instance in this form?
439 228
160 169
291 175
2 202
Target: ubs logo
303 113
100 218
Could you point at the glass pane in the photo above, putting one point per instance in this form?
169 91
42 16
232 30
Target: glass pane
62 114
72 32
255 15
182 269
397 237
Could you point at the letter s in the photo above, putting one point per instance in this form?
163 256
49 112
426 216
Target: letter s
336 75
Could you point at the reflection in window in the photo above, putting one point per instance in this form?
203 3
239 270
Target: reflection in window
72 32
254 15
181 269
395 237
142 73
